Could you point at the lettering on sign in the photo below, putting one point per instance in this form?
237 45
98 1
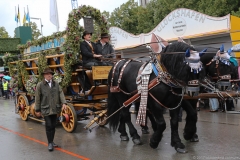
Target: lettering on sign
119 31
51 44
100 72
199 17
88 24
113 41
179 26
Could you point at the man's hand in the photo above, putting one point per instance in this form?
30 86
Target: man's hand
38 114
97 55
64 107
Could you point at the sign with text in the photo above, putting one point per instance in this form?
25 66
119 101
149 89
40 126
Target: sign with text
48 45
181 22
88 24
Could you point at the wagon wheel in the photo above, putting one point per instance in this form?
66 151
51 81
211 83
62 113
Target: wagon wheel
23 105
71 118
101 119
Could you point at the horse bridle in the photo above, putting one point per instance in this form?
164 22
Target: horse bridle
219 77
222 81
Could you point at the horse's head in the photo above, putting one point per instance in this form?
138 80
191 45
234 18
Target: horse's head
186 68
219 67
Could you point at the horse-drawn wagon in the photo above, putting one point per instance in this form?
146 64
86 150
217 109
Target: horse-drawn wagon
60 52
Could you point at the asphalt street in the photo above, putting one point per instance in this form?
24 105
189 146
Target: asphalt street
218 133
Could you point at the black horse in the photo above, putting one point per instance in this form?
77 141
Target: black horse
167 94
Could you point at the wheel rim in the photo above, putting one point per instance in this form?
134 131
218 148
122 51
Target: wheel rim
23 104
70 124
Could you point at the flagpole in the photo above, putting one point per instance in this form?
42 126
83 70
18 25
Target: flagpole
57 16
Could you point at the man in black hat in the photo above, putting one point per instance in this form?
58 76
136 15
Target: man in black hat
103 46
49 100
90 55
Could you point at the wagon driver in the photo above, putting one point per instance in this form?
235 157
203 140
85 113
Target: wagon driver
49 100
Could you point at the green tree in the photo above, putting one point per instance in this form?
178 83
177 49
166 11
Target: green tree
4 33
125 17
35 31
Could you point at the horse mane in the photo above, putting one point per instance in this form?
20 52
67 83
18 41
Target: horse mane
175 63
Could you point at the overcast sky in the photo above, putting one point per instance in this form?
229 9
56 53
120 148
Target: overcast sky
41 9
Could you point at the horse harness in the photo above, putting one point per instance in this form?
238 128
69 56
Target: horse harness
219 77
223 81
144 86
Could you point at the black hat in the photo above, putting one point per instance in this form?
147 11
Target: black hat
85 33
105 35
47 70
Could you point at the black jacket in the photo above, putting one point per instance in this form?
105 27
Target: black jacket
106 49
86 51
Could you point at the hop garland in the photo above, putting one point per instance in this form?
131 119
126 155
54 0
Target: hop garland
31 84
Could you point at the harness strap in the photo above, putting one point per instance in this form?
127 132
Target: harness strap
157 100
121 73
112 89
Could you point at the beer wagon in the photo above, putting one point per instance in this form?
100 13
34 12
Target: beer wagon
60 52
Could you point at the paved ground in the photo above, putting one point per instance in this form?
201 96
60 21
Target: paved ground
25 140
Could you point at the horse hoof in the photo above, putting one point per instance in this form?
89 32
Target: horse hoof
124 138
137 141
195 138
180 150
153 145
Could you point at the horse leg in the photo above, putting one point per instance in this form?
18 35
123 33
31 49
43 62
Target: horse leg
175 139
153 121
122 130
157 112
133 132
191 120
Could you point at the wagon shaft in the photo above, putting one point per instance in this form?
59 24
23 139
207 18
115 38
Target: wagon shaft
213 95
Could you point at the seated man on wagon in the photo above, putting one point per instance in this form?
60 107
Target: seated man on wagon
90 54
90 57
105 48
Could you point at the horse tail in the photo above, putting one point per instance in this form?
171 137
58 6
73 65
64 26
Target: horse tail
113 105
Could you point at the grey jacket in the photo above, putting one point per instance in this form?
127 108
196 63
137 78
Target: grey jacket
106 49
49 100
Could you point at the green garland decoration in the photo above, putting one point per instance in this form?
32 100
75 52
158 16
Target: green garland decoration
71 47
31 84
8 57
23 72
42 64
20 82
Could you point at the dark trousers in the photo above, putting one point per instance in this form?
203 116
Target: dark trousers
50 125
6 93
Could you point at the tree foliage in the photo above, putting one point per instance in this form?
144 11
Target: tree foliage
35 31
4 33
137 19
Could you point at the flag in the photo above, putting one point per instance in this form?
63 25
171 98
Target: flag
16 18
24 17
54 13
28 16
